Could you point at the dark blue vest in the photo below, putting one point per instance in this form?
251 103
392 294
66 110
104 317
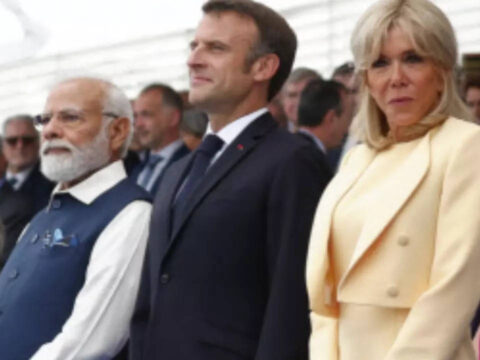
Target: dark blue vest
44 273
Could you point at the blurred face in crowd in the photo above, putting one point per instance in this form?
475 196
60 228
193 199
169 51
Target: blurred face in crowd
75 140
220 76
3 165
291 98
20 145
405 85
351 83
342 121
472 98
153 120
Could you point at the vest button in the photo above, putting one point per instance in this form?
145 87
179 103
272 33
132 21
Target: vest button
13 274
56 204
34 238
165 278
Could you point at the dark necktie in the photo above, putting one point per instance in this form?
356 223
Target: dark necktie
202 158
12 181
152 162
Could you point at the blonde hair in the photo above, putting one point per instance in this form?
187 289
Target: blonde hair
432 36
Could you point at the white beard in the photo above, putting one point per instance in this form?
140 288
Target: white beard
78 162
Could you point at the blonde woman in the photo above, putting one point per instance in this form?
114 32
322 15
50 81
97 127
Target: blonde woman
393 270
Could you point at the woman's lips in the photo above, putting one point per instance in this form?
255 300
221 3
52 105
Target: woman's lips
400 100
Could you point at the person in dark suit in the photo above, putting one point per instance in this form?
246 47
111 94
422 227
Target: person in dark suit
323 117
158 111
223 278
16 211
23 190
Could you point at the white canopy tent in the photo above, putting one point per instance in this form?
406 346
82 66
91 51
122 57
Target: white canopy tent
135 43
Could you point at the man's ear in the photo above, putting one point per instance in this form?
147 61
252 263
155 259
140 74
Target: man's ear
118 131
174 117
329 118
265 67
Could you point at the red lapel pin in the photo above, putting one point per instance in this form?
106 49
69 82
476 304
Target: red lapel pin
240 147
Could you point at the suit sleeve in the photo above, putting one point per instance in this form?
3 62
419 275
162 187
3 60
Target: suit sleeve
439 319
293 196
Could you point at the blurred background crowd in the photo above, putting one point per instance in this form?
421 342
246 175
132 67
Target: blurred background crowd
151 70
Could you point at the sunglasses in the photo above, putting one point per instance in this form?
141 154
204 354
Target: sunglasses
26 140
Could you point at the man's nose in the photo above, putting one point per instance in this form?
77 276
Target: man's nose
52 129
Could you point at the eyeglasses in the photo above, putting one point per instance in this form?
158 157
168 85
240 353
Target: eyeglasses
66 118
26 140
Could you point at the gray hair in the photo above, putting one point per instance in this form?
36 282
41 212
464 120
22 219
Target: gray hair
19 118
432 36
116 102
194 122
302 73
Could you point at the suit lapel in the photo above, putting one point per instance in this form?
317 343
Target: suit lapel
177 155
394 193
161 217
237 150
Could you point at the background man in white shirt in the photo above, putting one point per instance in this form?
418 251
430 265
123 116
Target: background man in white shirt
224 273
158 111
291 91
68 289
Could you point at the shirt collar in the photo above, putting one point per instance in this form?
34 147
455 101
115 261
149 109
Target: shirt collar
96 184
232 130
315 139
20 176
168 151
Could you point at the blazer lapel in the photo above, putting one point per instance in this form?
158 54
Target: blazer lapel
160 225
395 193
236 151
318 262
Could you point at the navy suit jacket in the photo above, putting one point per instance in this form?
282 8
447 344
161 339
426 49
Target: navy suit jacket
228 281
177 155
38 188
325 164
18 207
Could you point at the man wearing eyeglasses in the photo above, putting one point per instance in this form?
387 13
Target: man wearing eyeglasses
20 146
23 189
68 288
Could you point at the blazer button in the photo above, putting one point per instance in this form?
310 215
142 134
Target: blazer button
392 291
56 204
13 274
403 240
165 278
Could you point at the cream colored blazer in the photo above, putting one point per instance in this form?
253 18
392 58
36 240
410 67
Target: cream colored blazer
427 253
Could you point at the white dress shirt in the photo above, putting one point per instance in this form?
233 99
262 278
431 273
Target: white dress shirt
232 130
98 326
20 177
166 153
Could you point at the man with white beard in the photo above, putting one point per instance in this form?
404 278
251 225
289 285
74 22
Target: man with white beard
69 287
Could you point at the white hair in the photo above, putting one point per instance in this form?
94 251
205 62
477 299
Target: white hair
116 102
